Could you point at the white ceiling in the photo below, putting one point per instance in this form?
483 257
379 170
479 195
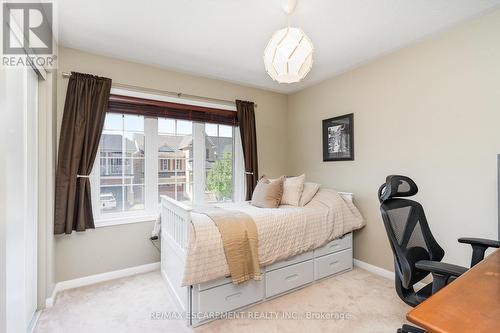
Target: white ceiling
225 39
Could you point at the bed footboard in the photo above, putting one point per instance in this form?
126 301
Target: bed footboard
175 223
175 220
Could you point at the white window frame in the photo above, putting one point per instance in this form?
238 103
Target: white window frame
151 207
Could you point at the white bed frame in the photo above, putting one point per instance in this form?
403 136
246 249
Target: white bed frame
206 301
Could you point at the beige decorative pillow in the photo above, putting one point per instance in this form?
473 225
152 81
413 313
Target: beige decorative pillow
308 193
292 190
268 193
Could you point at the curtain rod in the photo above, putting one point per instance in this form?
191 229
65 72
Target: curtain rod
164 92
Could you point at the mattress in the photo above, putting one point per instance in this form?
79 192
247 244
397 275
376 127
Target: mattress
283 232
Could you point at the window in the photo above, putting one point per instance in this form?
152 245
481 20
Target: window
175 147
142 158
121 183
164 164
219 162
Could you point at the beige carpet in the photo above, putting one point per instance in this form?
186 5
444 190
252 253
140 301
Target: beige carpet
357 301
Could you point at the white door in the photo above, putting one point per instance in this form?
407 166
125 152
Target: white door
19 197
31 190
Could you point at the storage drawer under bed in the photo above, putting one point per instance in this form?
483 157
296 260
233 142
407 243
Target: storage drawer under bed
332 263
288 278
228 297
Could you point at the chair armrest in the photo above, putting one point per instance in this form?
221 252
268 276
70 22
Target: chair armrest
410 329
479 246
441 272
441 268
480 242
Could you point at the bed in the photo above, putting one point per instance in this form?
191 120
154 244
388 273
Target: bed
297 246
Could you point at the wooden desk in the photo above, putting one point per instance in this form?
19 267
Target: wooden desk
469 304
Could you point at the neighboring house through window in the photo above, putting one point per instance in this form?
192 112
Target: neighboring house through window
121 185
175 146
142 158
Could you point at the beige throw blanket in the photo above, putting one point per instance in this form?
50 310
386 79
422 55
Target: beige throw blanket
240 242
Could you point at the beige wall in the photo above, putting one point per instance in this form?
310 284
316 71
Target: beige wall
112 248
430 111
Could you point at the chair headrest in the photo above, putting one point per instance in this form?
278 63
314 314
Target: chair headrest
397 186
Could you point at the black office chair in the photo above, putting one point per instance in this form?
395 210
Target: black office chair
416 252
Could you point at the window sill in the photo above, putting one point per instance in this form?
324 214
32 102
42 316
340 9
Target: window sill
111 221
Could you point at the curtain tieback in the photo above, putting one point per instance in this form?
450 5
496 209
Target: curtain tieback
82 176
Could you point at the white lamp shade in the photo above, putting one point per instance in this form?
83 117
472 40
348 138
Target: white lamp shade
288 55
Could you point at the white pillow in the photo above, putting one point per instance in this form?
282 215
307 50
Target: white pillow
292 190
310 190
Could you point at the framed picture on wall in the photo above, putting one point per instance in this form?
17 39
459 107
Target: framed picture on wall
338 138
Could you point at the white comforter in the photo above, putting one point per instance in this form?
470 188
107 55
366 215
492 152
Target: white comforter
283 232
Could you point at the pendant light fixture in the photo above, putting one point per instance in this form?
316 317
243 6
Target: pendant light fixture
288 55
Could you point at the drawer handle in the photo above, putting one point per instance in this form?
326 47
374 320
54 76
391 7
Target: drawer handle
233 296
334 245
291 277
334 263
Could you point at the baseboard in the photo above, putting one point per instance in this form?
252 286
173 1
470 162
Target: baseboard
374 269
380 271
97 278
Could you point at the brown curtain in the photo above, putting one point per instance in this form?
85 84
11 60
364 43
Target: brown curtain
83 120
246 120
